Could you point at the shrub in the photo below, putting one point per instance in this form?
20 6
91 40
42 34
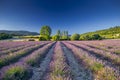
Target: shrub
55 37
41 38
96 37
85 37
75 37
91 37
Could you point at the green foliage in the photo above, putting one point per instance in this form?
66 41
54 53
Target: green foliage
61 36
96 37
64 35
96 67
42 38
56 37
16 73
90 37
75 37
46 32
5 36
111 33
85 37
58 33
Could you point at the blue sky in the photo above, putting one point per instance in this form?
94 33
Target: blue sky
76 16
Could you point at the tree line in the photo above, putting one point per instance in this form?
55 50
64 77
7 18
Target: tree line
45 34
5 36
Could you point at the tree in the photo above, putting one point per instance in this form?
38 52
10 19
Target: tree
75 37
87 37
46 32
64 35
96 37
67 35
58 35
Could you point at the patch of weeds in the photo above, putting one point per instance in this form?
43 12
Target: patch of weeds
96 67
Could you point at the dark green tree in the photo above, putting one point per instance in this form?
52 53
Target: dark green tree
67 35
5 36
96 37
58 33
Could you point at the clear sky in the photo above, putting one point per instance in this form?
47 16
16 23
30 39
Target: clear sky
76 16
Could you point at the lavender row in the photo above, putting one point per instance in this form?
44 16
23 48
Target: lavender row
58 68
24 65
107 56
78 71
12 50
107 45
98 68
6 45
7 59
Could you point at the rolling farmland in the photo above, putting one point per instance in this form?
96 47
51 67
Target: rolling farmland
60 60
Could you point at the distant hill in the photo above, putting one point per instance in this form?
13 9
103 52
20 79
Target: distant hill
113 32
19 33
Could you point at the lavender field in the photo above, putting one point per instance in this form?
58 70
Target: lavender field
61 60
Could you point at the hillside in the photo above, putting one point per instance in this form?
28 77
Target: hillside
113 32
19 33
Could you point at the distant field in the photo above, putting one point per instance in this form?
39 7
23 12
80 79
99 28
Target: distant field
61 60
